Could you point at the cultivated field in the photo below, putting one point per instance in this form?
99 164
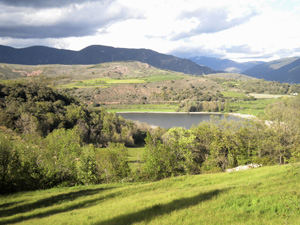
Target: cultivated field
267 96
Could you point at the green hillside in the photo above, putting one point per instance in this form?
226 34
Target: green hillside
233 76
267 195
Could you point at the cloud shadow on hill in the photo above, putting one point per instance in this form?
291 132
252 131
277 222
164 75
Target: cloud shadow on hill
53 201
150 213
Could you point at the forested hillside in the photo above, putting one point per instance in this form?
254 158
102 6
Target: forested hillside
35 109
48 139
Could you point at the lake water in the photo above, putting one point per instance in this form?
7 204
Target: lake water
169 120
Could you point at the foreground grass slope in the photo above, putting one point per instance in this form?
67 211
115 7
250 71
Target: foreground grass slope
268 195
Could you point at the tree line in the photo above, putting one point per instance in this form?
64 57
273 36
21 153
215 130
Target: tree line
269 87
217 146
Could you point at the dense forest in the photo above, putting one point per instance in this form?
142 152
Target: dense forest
58 138
48 139
32 108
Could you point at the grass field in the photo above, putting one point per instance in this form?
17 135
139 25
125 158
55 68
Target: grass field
160 78
135 157
107 82
102 83
256 107
232 94
267 195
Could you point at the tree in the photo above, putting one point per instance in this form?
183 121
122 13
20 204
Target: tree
182 145
63 149
157 158
86 166
111 163
7 158
227 106
28 124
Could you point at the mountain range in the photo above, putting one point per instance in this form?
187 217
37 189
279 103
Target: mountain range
226 65
286 70
282 70
95 54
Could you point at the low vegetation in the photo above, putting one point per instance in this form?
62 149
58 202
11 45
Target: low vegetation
253 107
268 195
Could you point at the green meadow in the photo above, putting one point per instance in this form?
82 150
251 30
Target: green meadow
107 82
254 107
101 83
232 94
166 77
135 157
267 195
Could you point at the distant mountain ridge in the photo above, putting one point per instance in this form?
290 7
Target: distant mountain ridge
285 70
226 65
95 54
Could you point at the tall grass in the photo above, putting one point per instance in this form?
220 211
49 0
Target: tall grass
268 195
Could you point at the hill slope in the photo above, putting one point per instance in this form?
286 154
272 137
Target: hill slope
98 54
267 195
224 64
282 70
230 76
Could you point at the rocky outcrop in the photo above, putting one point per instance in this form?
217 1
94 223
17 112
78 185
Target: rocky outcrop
244 167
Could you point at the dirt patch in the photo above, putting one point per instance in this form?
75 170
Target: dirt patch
28 74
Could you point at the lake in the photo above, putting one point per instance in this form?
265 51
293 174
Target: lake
169 120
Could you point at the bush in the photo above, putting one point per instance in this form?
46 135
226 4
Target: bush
111 163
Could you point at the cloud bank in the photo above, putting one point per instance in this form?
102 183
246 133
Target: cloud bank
239 30
58 19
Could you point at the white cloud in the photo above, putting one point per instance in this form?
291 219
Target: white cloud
235 29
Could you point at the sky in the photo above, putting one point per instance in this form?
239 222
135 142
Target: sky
240 30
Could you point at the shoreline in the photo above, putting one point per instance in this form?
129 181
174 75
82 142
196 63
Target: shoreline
144 112
244 116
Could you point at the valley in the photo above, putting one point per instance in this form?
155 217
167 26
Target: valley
70 152
136 86
121 112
